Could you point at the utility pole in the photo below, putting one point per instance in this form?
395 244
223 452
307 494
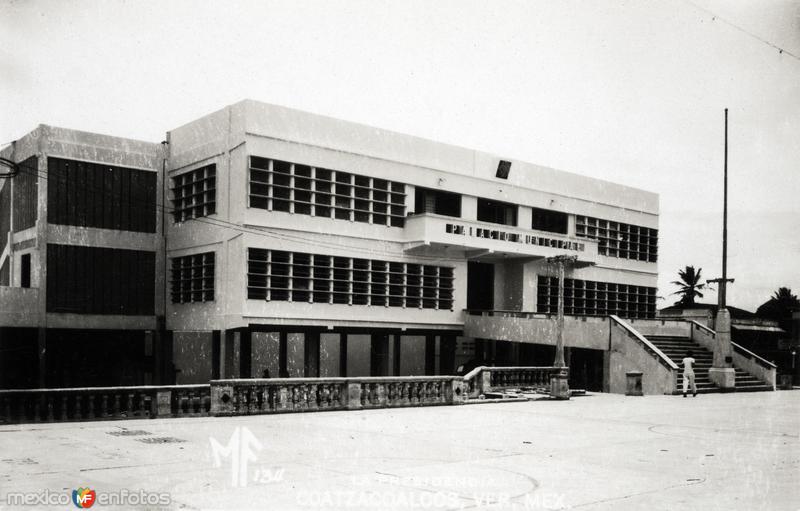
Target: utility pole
722 372
559 383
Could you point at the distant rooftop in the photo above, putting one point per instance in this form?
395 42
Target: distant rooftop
736 313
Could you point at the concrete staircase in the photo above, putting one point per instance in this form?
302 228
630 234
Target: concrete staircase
676 347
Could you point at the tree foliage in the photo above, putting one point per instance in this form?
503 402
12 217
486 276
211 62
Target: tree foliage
780 306
689 285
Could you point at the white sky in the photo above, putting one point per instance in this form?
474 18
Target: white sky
628 91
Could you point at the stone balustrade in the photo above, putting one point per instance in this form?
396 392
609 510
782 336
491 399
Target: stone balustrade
103 403
261 396
487 379
281 395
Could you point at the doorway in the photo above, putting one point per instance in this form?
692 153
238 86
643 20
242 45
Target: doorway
480 286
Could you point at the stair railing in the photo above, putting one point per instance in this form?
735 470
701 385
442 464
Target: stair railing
485 379
644 342
629 350
742 357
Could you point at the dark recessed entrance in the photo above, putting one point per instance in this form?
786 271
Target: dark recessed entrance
480 286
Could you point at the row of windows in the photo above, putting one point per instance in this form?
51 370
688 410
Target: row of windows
102 196
283 186
437 202
99 280
548 220
278 185
616 239
302 277
590 298
497 212
193 278
194 193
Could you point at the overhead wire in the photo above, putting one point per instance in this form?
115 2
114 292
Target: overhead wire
715 17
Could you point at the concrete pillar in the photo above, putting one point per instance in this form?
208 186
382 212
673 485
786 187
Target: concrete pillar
524 217
469 207
41 350
722 372
559 385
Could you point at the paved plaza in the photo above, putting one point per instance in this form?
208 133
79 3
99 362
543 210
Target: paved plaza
718 451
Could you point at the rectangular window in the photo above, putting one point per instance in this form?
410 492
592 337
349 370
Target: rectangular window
550 221
497 212
193 278
5 212
277 185
437 201
590 298
99 280
194 193
5 274
616 239
25 270
102 196
299 277
26 194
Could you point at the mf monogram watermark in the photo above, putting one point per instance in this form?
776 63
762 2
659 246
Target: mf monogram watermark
242 448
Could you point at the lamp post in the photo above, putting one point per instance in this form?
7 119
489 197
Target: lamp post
722 372
559 382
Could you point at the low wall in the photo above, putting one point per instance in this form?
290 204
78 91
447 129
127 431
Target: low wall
630 351
103 403
19 307
485 379
284 395
527 327
742 358
664 327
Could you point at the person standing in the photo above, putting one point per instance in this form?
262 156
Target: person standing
688 374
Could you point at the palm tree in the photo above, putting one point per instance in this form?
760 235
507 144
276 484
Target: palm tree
779 307
689 285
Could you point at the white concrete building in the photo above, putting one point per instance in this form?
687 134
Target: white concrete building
303 245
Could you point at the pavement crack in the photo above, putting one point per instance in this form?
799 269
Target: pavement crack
690 482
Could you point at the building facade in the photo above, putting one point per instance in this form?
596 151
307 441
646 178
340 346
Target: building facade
260 240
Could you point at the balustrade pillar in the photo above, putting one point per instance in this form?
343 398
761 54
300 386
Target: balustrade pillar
354 396
161 406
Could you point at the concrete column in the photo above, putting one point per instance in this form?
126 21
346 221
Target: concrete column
469 207
41 350
722 372
524 217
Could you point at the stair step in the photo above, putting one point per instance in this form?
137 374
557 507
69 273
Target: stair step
676 348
